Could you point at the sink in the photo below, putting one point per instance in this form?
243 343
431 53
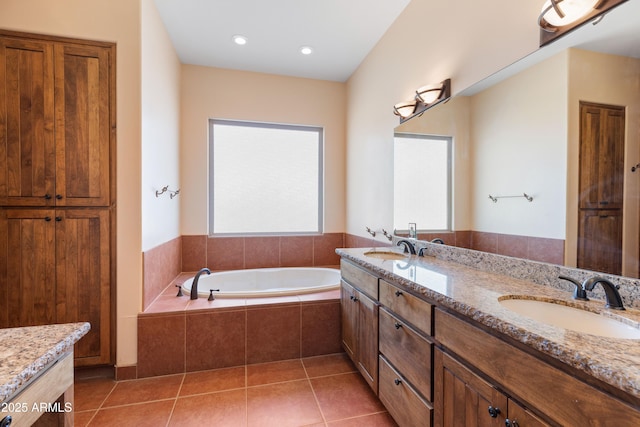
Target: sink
571 318
385 254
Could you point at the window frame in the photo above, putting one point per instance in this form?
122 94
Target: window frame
449 202
266 125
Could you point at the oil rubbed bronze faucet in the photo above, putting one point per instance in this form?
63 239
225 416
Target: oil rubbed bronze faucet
408 246
194 285
614 300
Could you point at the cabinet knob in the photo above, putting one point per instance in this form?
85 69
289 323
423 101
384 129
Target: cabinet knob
58 218
47 218
398 325
511 423
47 196
397 381
493 412
59 196
6 421
398 293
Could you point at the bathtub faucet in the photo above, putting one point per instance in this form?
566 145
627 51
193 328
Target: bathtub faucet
194 285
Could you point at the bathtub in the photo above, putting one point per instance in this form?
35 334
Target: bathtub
267 282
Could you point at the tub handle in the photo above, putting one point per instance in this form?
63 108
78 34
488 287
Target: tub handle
179 291
211 291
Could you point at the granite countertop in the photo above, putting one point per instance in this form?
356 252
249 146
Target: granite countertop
26 352
474 293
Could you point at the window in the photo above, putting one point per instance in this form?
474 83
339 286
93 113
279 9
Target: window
265 178
422 182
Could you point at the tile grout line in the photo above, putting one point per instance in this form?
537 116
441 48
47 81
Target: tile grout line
175 401
315 397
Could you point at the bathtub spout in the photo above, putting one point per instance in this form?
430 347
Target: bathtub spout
194 285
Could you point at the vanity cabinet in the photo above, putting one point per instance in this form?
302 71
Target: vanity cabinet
406 356
359 308
550 395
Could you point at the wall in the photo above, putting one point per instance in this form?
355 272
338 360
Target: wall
590 79
239 95
113 21
430 41
519 134
160 130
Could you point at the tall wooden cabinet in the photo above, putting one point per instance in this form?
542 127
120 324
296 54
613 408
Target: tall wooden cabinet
601 187
57 187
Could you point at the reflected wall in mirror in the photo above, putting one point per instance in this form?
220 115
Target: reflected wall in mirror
521 134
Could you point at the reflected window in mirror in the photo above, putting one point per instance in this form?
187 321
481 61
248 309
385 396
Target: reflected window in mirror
422 182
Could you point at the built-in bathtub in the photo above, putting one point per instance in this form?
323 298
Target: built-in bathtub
266 282
299 316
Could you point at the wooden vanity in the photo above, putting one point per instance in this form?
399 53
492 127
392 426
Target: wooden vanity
449 355
36 374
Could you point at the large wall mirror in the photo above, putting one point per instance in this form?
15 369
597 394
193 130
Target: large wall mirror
536 137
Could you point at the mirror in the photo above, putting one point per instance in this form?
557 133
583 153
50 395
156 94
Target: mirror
517 134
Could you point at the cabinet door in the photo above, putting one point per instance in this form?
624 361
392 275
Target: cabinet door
368 339
520 417
83 125
600 240
349 309
601 156
27 152
464 399
27 267
83 274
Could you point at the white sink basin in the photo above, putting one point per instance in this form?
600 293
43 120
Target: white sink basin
571 318
385 254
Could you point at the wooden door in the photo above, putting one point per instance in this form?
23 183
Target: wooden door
27 152
601 180
27 267
462 398
368 339
83 125
349 309
83 277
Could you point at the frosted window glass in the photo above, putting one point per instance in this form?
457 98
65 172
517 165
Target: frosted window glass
422 180
265 178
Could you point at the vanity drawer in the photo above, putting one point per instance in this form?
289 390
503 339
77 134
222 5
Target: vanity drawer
410 353
412 309
361 279
405 405
559 395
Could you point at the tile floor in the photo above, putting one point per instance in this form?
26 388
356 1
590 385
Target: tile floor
315 391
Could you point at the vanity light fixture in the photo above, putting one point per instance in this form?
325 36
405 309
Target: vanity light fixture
558 17
426 97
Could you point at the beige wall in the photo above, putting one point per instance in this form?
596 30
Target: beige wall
519 140
239 95
114 21
614 80
430 41
160 130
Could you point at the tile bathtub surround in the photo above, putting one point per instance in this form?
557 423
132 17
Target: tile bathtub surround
319 391
160 266
177 335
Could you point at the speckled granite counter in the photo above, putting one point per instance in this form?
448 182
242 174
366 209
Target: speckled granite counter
28 351
474 293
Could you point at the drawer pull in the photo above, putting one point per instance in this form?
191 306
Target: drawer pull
493 412
511 423
398 293
398 325
6 421
397 381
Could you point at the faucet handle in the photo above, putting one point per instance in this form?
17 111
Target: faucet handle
180 294
211 297
579 292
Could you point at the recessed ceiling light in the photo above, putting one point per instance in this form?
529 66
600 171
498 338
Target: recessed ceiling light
306 50
241 40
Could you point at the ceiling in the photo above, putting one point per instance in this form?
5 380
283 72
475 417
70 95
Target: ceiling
341 33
